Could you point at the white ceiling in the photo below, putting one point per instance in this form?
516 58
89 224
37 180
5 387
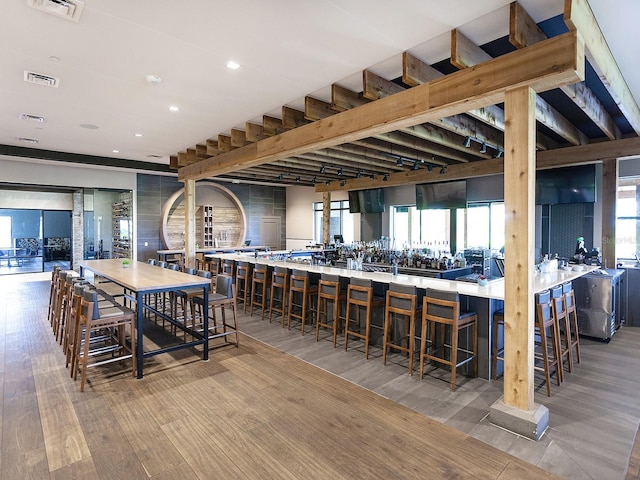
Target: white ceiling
286 48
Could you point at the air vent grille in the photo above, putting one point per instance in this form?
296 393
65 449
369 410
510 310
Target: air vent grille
154 156
67 9
31 118
27 140
41 79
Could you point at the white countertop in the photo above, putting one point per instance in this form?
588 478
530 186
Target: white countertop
493 290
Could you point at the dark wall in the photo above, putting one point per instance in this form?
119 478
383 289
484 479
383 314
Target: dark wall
563 224
154 190
24 223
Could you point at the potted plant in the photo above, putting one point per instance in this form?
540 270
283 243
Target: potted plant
125 263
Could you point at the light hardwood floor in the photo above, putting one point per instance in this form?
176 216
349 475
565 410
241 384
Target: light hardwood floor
257 412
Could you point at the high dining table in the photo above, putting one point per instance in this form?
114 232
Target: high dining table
142 279
484 300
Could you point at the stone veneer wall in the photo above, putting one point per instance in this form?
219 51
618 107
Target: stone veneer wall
77 229
154 190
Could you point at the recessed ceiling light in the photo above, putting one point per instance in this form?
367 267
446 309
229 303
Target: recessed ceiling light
233 65
115 151
173 108
137 134
154 79
88 126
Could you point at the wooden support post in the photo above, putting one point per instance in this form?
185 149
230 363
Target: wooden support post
190 223
609 197
517 411
326 217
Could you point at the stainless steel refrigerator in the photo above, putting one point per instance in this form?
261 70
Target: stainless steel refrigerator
599 303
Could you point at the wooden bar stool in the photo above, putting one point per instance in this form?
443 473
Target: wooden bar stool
52 291
228 268
442 309
330 296
572 315
548 354
278 295
401 307
360 297
243 284
301 295
560 314
259 288
116 319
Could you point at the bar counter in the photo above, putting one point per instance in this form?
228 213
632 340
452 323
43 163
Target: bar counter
484 300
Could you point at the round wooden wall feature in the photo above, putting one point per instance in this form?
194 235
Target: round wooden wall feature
225 221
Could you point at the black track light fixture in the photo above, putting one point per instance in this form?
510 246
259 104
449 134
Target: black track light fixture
327 182
399 162
415 166
313 180
499 153
280 177
443 170
385 178
467 142
340 171
342 183
297 179
359 174
483 149
429 167
323 169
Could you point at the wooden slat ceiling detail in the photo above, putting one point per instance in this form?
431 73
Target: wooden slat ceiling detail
405 130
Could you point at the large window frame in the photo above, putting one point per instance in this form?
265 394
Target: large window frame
341 221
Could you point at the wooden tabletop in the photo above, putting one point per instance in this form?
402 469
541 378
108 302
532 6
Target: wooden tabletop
142 277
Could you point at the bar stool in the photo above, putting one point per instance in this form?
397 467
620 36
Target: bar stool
572 315
116 318
545 320
243 284
278 295
228 268
497 352
560 314
52 290
329 296
224 297
188 295
401 306
442 309
300 290
259 288
359 297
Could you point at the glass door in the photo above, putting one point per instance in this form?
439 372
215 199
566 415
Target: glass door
20 241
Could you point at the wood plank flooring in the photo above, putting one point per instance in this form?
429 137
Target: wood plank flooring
258 412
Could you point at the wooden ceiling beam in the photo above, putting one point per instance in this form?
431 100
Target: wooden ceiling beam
584 154
376 144
344 99
201 152
224 143
292 118
255 132
465 54
416 72
375 87
315 109
173 162
238 138
212 148
523 32
421 144
272 126
542 66
578 16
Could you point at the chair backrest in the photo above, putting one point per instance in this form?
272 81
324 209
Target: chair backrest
224 285
360 289
204 273
173 266
189 270
329 284
152 261
401 296
544 305
558 300
280 276
161 264
91 296
569 297
299 279
441 304
242 270
227 267
260 271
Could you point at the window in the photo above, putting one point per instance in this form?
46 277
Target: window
341 222
5 232
628 222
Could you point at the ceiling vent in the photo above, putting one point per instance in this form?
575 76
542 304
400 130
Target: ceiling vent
154 156
41 79
67 9
27 140
31 118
